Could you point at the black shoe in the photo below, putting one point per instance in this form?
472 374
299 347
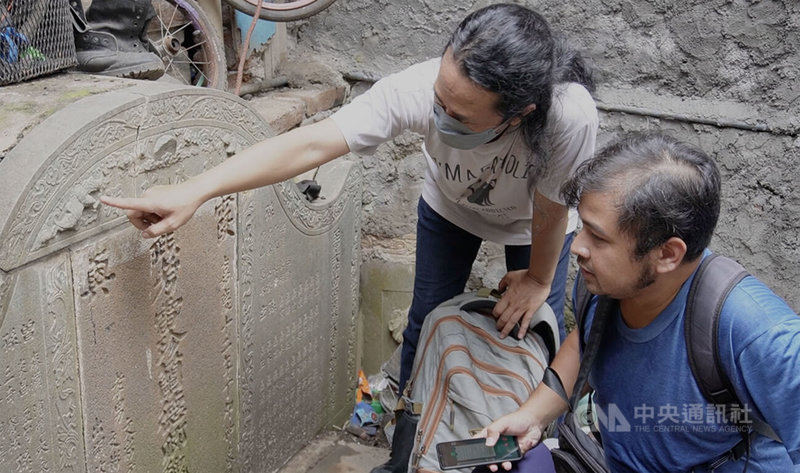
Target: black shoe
109 39
402 444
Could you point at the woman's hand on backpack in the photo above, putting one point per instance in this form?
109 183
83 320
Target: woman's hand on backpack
521 424
522 297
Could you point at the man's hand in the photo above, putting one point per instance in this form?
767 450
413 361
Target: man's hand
522 298
521 424
159 210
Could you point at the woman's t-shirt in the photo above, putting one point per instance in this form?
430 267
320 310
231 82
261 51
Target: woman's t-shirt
484 190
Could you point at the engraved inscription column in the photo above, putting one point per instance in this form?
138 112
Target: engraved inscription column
298 280
117 353
40 425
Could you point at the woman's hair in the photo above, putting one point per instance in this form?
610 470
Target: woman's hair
664 188
510 50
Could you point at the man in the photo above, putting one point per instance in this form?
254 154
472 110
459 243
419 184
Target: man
649 205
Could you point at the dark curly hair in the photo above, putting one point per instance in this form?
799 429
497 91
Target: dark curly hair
666 189
510 50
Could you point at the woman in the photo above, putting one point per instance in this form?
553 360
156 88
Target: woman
506 117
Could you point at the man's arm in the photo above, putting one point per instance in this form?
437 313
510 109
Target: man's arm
526 290
543 407
163 209
767 373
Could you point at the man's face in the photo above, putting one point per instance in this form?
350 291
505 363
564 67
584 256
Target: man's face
605 254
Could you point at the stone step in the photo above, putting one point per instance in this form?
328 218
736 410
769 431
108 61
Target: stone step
285 108
335 452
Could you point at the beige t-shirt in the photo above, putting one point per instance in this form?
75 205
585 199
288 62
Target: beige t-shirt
483 190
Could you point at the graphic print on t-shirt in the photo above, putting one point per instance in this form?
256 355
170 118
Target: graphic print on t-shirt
479 185
480 192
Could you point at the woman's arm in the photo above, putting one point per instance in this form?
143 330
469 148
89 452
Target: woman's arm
527 290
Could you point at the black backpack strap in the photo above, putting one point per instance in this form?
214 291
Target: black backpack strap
544 330
715 278
605 308
581 304
552 380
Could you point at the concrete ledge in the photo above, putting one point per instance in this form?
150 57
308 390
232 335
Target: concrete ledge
285 109
281 113
720 113
316 99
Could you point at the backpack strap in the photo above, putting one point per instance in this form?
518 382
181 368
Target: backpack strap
714 279
581 304
543 322
582 297
544 328
603 312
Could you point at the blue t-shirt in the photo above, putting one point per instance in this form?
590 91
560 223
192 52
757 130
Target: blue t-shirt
653 416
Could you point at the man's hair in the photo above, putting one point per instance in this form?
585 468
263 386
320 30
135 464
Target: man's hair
510 50
665 188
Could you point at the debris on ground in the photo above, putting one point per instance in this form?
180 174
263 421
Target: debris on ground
372 421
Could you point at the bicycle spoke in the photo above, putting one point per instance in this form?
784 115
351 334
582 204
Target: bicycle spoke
195 46
183 27
169 65
174 12
163 26
190 62
182 39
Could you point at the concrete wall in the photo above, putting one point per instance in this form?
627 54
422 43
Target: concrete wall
721 74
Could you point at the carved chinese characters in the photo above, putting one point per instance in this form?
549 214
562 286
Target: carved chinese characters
223 346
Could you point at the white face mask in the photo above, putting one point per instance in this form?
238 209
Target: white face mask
456 134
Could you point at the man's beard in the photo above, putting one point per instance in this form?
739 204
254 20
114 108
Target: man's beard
646 277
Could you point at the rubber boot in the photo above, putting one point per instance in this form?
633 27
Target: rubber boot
110 39
402 444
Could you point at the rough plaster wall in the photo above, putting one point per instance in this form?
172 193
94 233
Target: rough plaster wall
737 60
733 49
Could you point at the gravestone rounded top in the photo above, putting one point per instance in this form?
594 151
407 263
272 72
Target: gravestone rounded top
89 136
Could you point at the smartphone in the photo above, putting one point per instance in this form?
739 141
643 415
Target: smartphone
474 452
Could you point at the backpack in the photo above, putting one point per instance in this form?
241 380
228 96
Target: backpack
715 278
464 376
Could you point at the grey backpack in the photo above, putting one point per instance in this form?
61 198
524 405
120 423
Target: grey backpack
464 376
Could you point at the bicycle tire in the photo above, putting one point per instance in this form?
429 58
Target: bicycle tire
188 44
282 11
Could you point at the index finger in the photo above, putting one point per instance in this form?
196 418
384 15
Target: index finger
126 203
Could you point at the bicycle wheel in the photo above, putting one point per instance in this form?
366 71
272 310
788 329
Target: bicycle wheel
188 43
282 11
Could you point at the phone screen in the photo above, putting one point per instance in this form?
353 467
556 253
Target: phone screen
474 452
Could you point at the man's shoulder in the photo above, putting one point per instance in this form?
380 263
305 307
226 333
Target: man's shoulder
748 297
401 100
754 299
752 311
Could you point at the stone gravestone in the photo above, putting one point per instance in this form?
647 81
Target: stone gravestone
222 347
